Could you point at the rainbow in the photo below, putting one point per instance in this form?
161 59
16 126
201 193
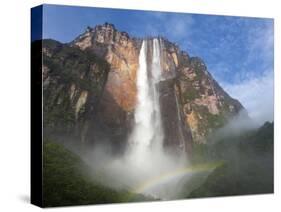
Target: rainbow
166 177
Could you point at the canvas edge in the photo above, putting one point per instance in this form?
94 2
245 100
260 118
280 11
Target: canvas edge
36 189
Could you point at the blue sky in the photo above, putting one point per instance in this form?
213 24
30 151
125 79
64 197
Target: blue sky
238 51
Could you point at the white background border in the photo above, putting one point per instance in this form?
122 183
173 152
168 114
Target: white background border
15 102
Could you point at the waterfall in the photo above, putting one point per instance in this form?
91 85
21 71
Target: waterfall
181 140
156 78
146 159
147 131
145 167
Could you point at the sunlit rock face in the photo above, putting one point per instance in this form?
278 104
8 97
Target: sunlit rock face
121 52
92 83
205 105
118 99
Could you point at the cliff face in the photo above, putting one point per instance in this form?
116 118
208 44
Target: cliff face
73 82
121 52
205 105
93 79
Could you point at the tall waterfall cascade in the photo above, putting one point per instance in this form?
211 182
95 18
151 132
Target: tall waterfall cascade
147 131
146 167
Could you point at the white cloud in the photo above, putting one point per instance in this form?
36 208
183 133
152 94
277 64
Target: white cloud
253 83
261 42
257 96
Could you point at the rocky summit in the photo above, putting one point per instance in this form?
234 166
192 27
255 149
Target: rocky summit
89 88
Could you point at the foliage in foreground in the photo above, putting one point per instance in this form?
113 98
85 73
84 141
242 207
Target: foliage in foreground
66 181
248 167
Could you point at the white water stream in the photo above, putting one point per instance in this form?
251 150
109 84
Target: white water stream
147 132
